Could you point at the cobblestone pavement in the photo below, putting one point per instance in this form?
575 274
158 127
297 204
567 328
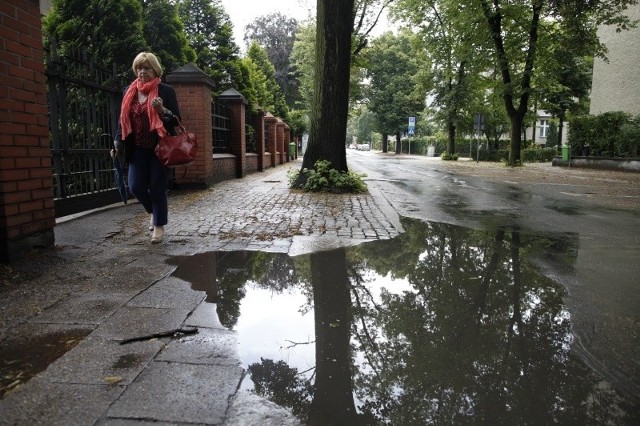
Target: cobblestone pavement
261 212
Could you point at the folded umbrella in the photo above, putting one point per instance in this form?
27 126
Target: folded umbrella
117 155
119 175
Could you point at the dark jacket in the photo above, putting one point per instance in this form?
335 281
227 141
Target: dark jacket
170 102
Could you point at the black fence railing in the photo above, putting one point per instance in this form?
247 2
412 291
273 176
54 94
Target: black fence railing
84 100
266 138
249 131
220 118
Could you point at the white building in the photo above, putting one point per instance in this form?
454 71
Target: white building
616 83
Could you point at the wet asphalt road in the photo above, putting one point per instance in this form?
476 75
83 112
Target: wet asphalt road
603 283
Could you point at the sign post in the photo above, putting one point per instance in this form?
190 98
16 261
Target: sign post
411 130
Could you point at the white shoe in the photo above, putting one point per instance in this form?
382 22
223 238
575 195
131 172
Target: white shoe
151 222
158 234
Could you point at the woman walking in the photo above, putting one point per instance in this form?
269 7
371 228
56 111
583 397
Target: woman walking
147 113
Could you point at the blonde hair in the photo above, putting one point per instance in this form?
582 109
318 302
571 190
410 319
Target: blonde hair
147 58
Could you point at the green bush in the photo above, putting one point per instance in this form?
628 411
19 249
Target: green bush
493 155
449 157
323 178
611 134
536 154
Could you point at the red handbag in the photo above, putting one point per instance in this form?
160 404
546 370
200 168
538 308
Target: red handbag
177 150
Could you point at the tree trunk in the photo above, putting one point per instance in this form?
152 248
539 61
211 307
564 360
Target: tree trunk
328 121
333 403
385 142
516 137
398 143
451 140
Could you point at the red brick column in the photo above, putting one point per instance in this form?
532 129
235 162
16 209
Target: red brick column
237 104
27 214
270 122
193 88
258 125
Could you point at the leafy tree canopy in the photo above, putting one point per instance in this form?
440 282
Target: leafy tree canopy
271 98
164 32
276 34
117 36
210 33
392 93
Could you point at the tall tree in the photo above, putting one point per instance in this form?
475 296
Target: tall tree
564 80
328 122
164 32
302 63
112 31
392 94
451 39
276 34
272 98
210 33
515 28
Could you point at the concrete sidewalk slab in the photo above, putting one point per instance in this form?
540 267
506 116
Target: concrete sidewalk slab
105 282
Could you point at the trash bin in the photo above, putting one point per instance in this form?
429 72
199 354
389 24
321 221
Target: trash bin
292 150
565 152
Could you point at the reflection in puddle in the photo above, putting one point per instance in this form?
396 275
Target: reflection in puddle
22 358
441 325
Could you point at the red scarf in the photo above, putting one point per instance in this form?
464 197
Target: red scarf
151 90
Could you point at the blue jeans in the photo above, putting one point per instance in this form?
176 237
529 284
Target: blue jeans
148 183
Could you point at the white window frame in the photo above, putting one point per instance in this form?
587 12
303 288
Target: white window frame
543 128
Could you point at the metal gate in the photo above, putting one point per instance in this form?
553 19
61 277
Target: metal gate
84 101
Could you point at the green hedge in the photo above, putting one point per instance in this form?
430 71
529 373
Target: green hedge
420 144
611 134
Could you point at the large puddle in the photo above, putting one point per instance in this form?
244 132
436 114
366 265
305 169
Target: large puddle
442 325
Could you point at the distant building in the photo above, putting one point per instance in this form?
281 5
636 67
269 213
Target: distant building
616 84
543 124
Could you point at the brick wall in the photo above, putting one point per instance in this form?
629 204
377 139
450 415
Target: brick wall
224 167
27 214
252 162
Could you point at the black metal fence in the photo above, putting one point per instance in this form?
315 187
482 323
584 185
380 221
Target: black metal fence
249 131
266 138
220 117
84 100
84 103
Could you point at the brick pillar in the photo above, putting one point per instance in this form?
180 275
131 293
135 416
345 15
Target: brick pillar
27 213
193 88
237 104
282 153
270 122
258 125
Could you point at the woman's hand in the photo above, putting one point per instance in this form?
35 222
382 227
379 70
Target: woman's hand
157 105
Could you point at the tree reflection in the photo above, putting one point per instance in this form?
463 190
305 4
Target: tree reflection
333 398
445 325
482 337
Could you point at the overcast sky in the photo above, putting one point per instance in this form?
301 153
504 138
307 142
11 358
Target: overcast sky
243 12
